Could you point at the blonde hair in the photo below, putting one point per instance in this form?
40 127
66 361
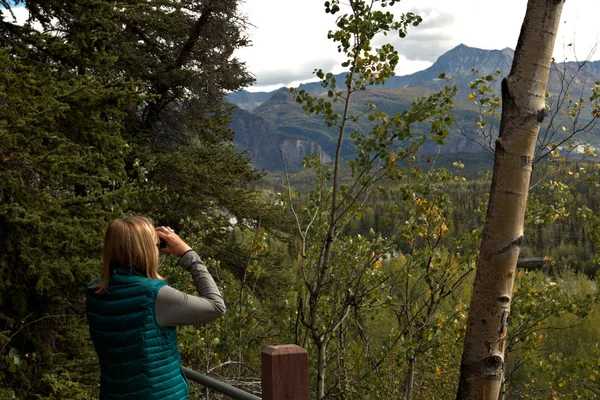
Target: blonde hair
129 242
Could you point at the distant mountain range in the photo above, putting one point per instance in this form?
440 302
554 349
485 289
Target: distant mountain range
271 124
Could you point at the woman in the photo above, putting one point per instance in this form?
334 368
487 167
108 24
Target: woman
132 312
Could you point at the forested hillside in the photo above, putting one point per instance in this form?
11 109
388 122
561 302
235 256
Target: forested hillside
366 259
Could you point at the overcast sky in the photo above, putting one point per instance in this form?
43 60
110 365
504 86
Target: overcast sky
290 36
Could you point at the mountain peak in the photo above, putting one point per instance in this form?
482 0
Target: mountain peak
462 46
457 63
460 60
462 55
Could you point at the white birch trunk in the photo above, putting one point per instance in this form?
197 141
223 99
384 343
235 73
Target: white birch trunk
523 110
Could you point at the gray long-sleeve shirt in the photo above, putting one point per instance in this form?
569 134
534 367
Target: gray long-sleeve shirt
174 308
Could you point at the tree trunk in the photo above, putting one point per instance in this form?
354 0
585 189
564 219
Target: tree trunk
523 110
410 377
502 390
321 370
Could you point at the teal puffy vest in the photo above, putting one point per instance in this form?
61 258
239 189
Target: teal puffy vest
139 359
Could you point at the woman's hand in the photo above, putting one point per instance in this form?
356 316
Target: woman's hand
175 245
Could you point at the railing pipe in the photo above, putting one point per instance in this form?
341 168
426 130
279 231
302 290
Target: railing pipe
221 387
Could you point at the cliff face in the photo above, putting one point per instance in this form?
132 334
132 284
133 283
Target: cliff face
294 150
262 142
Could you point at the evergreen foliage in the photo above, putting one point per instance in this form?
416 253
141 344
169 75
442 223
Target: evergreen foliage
107 109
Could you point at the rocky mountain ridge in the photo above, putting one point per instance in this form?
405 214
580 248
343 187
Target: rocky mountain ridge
269 124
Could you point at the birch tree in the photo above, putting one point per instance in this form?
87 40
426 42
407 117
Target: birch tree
523 99
341 273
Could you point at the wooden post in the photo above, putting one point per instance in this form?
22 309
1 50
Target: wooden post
285 373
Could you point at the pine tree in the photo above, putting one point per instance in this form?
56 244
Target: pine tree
108 109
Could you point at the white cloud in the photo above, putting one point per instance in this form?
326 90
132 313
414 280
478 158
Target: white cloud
20 15
290 35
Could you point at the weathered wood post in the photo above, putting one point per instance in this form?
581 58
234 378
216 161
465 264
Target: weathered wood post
285 373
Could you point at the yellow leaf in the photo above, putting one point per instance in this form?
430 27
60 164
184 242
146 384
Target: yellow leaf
593 377
378 264
443 229
471 97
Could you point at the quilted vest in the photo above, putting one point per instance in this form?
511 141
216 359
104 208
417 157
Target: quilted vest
139 359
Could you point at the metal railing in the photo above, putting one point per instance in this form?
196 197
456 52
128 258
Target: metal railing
218 386
284 375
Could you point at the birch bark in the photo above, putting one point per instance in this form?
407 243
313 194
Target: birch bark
523 111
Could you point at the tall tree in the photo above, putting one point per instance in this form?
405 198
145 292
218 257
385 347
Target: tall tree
107 108
523 99
340 273
62 175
